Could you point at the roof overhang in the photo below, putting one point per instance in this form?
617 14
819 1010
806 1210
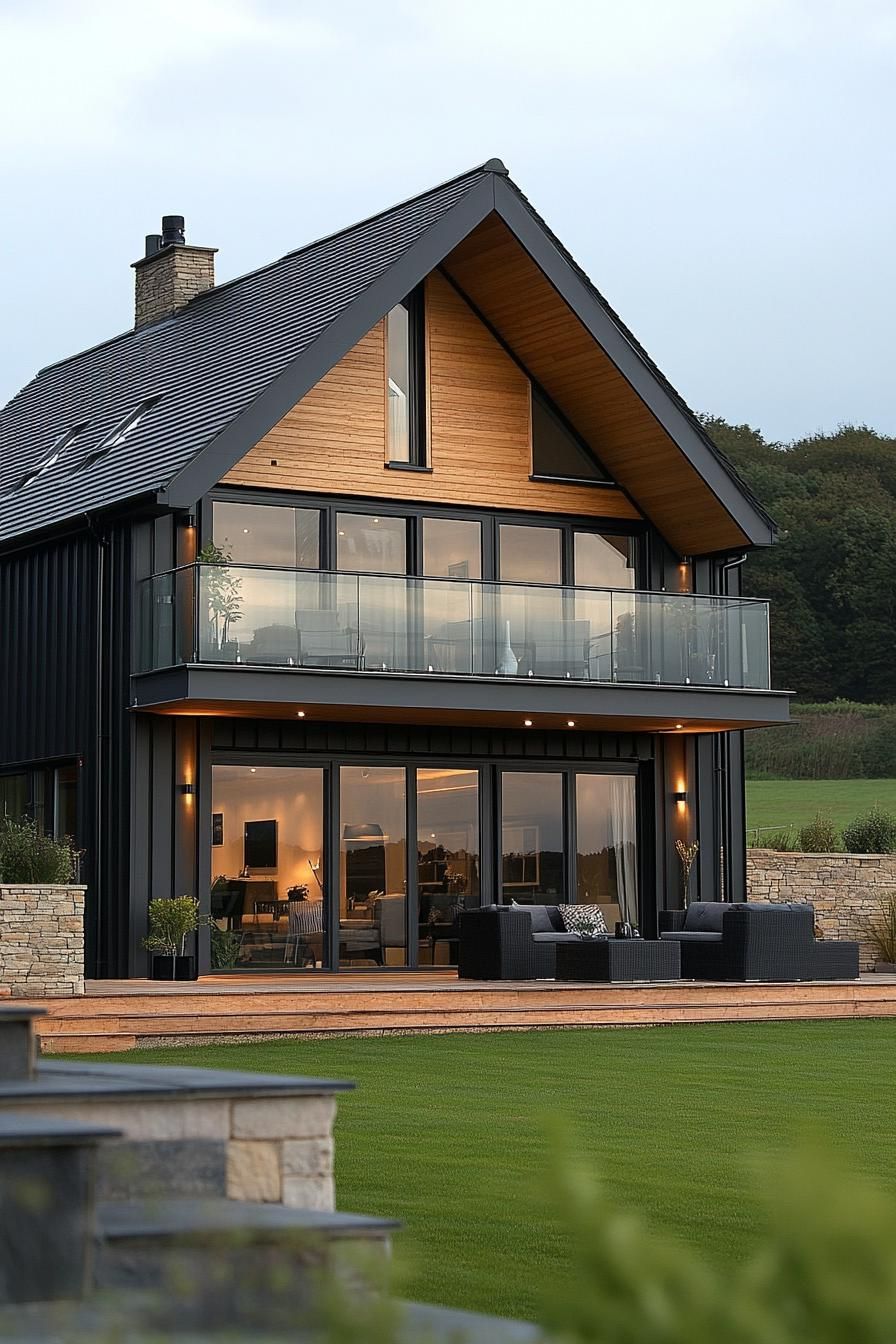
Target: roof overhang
513 271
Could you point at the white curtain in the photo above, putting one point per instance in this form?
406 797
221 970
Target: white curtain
624 841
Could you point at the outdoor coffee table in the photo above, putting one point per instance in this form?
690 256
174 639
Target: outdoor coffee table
619 959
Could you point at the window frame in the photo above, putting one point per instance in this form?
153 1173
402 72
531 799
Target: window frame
538 396
415 511
418 439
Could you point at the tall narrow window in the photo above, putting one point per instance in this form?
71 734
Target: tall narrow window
405 437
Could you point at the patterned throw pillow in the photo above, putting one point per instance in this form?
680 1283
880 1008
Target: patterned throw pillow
583 919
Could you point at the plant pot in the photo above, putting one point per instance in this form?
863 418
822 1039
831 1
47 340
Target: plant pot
173 968
885 967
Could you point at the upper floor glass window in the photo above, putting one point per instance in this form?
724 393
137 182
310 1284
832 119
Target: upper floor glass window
267 534
371 544
530 554
452 548
604 560
405 434
557 451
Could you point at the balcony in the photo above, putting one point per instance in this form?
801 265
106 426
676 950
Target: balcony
309 624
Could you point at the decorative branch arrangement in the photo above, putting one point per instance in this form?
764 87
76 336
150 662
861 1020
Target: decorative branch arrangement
687 853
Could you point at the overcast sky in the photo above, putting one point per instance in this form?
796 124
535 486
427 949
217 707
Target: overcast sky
723 169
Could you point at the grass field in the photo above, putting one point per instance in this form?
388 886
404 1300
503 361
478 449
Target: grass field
793 802
451 1134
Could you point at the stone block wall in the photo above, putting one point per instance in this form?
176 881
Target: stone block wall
277 1150
844 888
42 940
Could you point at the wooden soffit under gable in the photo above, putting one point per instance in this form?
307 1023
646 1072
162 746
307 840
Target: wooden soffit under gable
502 281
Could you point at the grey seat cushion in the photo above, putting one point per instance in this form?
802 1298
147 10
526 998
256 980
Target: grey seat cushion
691 936
555 937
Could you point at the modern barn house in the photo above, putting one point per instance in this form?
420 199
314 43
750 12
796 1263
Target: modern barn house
387 581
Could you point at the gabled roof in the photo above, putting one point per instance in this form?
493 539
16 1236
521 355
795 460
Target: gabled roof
226 368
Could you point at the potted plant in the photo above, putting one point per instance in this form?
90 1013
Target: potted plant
882 933
224 595
171 920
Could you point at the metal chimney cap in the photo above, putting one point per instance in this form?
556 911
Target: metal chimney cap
172 230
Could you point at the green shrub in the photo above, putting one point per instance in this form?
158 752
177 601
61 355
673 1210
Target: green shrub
875 833
820 836
882 928
171 919
225 946
27 855
786 840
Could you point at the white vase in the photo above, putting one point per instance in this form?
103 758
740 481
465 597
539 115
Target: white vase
508 664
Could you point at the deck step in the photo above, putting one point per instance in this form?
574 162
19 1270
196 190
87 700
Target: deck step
102 1023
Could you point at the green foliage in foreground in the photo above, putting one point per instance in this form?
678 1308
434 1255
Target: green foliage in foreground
824 1270
456 1136
27 855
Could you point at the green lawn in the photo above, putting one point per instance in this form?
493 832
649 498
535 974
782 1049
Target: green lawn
450 1133
793 802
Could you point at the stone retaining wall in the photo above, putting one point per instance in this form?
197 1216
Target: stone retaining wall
42 939
844 888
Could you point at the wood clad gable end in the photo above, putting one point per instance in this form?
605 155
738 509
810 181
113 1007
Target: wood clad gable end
479 428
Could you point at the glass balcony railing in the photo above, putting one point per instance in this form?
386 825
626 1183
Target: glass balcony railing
262 617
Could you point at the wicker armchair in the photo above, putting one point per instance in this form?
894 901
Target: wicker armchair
754 941
498 942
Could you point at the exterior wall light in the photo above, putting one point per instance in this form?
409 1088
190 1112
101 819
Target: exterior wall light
680 797
187 790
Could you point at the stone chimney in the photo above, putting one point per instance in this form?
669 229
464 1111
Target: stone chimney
171 273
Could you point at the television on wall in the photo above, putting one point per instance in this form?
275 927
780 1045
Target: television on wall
260 845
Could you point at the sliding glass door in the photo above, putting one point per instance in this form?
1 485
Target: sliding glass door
356 866
569 836
448 858
373 865
269 872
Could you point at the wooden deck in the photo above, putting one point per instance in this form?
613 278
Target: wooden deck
121 1014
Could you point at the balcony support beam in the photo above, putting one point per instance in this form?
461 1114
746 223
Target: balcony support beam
394 697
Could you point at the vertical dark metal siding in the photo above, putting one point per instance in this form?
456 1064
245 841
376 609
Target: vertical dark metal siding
64 694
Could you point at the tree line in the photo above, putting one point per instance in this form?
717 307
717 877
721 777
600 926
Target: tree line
831 578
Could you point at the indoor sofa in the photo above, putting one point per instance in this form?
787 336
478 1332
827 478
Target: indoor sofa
756 941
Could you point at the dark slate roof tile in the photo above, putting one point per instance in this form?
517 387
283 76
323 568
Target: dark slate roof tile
207 363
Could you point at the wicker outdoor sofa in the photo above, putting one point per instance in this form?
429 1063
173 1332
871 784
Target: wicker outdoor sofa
508 942
756 941
718 941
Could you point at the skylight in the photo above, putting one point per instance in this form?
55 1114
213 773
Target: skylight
122 431
51 458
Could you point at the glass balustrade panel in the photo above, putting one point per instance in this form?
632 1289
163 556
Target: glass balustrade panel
292 618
